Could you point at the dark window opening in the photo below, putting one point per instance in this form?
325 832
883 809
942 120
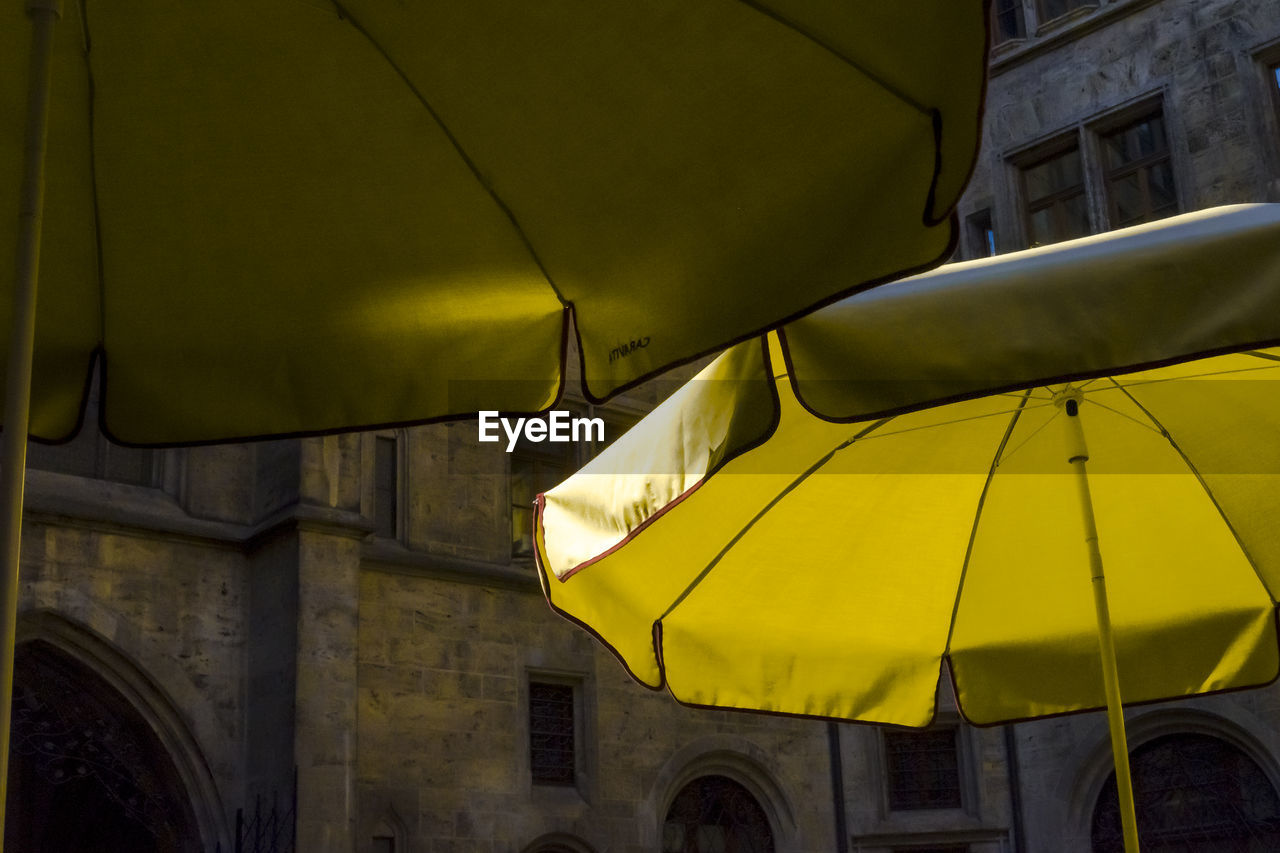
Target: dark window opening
386 486
715 814
535 468
1193 792
1050 9
1055 198
982 234
551 733
1139 172
1007 21
923 769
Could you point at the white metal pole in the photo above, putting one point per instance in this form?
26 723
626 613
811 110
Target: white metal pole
1077 455
17 398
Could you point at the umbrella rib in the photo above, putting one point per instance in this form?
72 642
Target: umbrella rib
764 511
830 48
345 14
1002 457
87 47
1091 401
1257 354
977 515
1208 491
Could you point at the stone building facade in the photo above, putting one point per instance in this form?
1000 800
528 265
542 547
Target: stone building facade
338 644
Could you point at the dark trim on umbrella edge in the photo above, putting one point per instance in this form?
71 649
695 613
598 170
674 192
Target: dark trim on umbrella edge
1135 704
776 418
1021 385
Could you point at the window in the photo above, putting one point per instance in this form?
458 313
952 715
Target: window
386 486
1138 171
714 814
1192 792
1054 190
1007 21
1273 85
923 769
1050 9
951 848
90 454
1116 171
982 235
552 750
384 844
535 468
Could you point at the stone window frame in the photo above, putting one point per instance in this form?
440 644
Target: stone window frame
1059 144
1266 63
584 751
1116 120
1076 10
966 770
1086 134
369 463
574 456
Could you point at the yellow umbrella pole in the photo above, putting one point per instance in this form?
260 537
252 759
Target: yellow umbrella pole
17 397
1077 455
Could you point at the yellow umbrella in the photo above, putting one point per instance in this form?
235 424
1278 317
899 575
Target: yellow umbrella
813 526
279 217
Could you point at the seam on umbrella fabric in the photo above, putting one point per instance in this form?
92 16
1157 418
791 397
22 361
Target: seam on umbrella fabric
1208 491
847 60
345 15
953 241
930 215
1265 355
973 531
764 510
92 93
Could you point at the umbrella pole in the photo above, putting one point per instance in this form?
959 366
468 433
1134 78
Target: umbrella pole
1077 455
17 397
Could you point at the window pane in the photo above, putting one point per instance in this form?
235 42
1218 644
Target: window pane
1050 9
1140 184
551 747
535 468
1008 20
923 768
1144 138
1057 174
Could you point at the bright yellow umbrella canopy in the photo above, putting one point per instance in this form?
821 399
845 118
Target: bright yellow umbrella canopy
287 216
812 527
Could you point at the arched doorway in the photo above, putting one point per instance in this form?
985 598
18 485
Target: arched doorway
86 773
1194 793
714 814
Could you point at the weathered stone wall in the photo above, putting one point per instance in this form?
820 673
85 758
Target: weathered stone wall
1201 58
443 730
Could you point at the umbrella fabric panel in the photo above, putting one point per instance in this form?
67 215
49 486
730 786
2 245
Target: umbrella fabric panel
1224 417
1153 293
265 162
729 405
708 193
67 318
845 584
1189 611
299 191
